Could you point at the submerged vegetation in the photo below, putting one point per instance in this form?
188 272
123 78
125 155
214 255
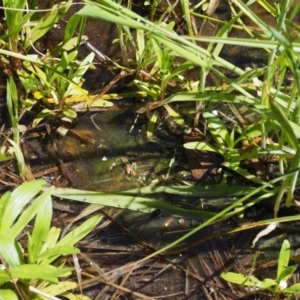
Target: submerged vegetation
237 122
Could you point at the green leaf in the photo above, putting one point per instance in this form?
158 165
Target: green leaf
266 283
44 272
280 117
70 113
51 254
283 260
217 129
201 146
150 89
15 18
51 240
210 97
40 230
70 239
241 279
9 251
4 277
130 202
4 202
287 272
244 173
96 12
12 101
176 116
71 296
3 157
8 295
19 157
77 75
80 232
71 27
60 288
47 22
45 113
14 205
212 191
294 289
30 212
158 52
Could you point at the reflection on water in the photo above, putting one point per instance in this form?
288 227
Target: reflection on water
120 157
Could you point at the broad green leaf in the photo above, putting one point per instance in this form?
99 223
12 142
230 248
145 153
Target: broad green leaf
3 157
56 251
64 62
8 295
150 89
233 157
294 289
217 129
17 200
70 239
4 202
287 272
201 146
70 113
44 272
30 212
9 251
4 277
70 29
140 36
241 279
51 240
19 157
176 116
28 81
39 72
245 280
40 230
60 288
80 232
73 42
296 128
76 297
283 260
266 283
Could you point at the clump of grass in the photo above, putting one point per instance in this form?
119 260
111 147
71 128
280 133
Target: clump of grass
37 269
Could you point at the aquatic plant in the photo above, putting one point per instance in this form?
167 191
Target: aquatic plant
34 266
279 285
